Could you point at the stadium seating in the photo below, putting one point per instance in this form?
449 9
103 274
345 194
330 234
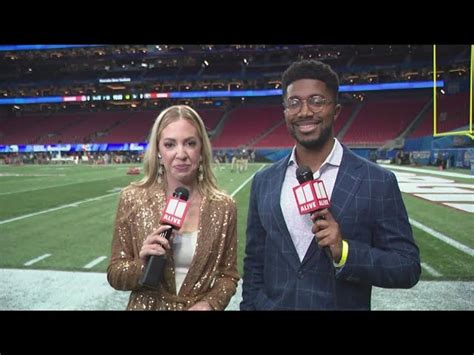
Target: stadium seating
381 120
453 112
247 123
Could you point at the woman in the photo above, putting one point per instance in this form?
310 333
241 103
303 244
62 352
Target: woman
201 258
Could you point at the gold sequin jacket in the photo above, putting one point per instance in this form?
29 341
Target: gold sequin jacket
212 275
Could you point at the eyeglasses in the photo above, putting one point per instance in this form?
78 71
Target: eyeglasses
315 104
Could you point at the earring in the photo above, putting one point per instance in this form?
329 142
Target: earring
160 169
200 173
160 173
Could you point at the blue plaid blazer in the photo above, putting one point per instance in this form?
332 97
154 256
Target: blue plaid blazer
367 204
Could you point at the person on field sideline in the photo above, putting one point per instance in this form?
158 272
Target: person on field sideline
331 259
201 258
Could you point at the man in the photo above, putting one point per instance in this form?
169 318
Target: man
366 229
233 163
245 159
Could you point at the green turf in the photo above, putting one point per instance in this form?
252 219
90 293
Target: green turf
242 210
451 263
457 225
77 235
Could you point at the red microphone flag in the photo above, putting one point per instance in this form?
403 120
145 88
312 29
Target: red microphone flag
311 196
174 212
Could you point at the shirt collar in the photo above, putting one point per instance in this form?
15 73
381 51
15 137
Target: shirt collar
334 158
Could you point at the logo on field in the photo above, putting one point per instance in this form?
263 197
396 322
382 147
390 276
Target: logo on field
439 190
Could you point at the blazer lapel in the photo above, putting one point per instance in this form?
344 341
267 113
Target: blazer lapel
275 185
347 183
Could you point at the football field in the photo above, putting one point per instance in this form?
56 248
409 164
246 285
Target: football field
56 224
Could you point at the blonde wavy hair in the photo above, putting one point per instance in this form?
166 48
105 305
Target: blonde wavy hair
208 186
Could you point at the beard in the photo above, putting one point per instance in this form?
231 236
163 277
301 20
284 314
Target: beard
312 143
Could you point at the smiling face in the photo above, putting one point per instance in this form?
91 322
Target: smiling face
180 149
309 129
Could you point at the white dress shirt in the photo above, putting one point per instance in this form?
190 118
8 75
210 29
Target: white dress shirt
184 246
298 225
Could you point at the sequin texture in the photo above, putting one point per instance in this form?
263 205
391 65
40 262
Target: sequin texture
212 275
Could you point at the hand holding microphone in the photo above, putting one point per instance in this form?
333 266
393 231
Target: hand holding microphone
311 197
155 246
327 233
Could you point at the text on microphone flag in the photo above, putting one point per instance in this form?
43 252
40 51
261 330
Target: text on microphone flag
311 196
175 212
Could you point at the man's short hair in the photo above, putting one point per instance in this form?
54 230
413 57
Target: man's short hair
311 69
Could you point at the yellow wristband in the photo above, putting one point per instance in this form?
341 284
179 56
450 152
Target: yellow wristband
345 251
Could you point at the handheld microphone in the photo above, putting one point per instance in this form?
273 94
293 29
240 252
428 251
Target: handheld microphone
173 215
311 195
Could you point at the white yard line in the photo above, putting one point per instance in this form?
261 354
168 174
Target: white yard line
94 262
50 187
431 270
427 171
35 260
73 204
442 237
246 181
